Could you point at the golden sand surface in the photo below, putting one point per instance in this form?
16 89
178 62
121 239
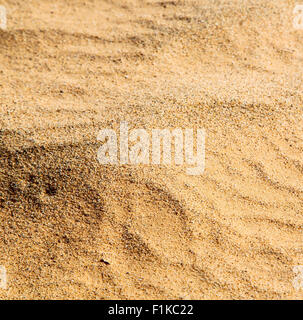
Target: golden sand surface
71 228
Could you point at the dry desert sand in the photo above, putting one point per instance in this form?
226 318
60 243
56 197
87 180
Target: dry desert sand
71 228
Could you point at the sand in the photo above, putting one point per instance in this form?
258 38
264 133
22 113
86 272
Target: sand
71 228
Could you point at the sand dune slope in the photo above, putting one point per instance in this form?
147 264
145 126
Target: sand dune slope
71 228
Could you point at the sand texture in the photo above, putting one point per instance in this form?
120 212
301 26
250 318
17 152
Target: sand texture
71 228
